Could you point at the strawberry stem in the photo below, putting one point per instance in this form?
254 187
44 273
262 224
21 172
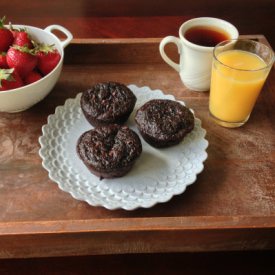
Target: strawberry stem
2 22
24 49
6 74
12 28
41 47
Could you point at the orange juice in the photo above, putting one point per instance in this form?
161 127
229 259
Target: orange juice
237 79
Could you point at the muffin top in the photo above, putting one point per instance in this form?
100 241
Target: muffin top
163 118
106 101
109 147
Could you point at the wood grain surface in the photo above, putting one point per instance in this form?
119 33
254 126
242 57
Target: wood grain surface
230 207
140 18
124 19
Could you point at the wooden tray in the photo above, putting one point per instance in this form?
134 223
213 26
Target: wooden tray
230 207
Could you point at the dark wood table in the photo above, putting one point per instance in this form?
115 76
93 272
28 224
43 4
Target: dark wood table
90 21
140 18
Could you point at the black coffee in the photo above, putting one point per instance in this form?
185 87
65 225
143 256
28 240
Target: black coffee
206 36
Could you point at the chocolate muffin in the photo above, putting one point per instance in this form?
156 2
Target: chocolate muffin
107 103
164 122
109 151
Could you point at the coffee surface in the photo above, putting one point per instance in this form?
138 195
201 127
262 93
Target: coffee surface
206 36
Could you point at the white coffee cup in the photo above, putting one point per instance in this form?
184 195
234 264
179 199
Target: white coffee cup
195 60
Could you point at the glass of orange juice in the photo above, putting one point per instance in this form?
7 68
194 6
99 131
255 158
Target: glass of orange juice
239 70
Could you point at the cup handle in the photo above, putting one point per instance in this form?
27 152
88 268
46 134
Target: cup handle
164 41
68 34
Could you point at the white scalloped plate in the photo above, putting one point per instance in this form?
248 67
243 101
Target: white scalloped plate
156 177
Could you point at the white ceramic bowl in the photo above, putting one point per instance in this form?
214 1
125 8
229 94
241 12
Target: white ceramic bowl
22 98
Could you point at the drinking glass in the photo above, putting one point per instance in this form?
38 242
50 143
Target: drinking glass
239 71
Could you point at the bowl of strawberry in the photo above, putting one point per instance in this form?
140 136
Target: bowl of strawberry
31 61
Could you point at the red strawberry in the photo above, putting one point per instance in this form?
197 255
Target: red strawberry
22 38
6 37
32 77
3 61
21 59
48 58
9 79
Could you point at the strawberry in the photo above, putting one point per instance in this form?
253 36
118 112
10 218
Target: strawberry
9 79
48 58
3 61
22 38
33 76
21 59
6 37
